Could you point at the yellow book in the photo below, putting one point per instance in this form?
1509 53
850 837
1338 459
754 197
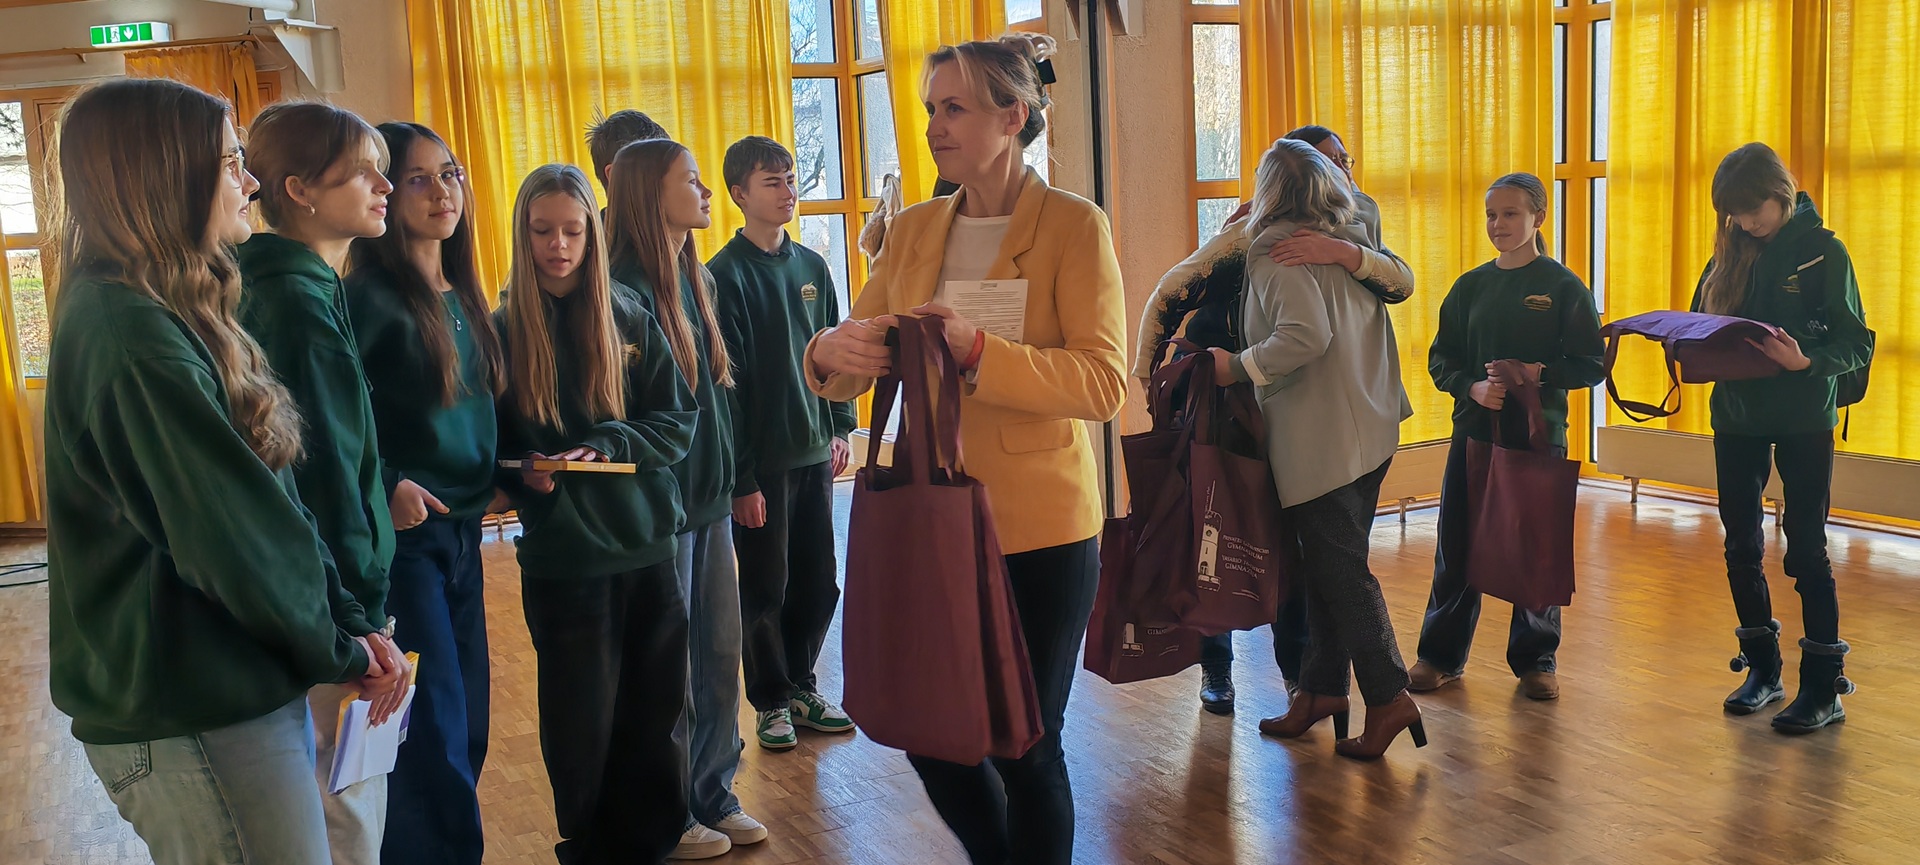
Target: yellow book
362 750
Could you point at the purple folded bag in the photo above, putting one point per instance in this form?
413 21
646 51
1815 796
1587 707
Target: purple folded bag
1700 347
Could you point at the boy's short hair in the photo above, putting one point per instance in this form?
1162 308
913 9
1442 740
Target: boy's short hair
610 133
754 153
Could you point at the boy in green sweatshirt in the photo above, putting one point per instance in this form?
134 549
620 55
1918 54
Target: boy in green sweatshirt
774 296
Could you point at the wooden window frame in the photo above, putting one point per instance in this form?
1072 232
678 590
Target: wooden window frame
1579 171
854 204
1197 189
40 109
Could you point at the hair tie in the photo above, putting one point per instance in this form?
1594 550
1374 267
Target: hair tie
1045 68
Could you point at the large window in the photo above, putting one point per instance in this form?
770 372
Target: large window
844 143
1582 71
1213 54
25 210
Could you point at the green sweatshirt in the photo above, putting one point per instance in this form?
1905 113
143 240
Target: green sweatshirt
1540 313
447 449
293 306
707 474
771 305
595 524
1800 256
188 589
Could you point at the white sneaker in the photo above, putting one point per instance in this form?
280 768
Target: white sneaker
742 829
700 842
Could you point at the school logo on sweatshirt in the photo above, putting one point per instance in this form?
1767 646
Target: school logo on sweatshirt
1538 302
1793 284
809 293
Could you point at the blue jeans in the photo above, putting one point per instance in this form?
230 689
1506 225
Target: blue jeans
239 795
438 603
711 726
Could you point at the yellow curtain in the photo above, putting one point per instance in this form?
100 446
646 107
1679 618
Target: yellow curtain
1684 95
1436 99
226 71
909 31
19 469
1872 173
514 84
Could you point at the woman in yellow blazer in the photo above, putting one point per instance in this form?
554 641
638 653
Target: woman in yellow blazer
1023 401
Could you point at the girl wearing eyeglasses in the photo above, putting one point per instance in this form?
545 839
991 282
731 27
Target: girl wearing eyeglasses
433 364
191 603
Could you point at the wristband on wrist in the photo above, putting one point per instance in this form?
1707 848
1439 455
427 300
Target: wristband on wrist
979 348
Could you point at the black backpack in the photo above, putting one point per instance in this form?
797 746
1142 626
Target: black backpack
1850 387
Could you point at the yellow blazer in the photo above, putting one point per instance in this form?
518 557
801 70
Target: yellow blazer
1019 416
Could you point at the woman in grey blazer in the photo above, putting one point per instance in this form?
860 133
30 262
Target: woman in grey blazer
1323 360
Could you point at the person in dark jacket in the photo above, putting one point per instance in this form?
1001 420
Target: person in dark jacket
1773 261
590 379
433 363
191 601
322 186
1526 307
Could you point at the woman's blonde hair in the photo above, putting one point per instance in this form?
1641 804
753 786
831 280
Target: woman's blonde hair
1536 193
1296 183
307 140
637 235
533 385
1749 177
136 208
1001 73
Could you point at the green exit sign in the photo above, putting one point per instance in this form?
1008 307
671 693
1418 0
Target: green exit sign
137 33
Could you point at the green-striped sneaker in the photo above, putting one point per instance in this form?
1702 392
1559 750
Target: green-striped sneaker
812 711
776 730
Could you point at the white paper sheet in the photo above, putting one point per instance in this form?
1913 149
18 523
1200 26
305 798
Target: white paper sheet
997 306
361 751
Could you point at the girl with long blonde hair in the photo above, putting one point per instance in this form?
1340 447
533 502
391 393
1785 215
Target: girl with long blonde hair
590 378
192 603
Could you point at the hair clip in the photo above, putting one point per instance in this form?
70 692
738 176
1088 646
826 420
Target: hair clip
1045 68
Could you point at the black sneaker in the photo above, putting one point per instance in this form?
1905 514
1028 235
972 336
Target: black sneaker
1216 690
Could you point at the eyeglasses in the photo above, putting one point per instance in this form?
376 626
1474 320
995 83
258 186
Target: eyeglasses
234 163
448 178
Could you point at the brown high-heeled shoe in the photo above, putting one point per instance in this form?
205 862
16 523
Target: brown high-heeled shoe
1384 723
1307 710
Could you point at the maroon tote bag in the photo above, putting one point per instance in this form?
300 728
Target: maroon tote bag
1119 648
1700 348
1520 504
936 664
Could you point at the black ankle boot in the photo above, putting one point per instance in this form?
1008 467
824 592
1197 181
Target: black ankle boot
1216 689
1760 657
1822 681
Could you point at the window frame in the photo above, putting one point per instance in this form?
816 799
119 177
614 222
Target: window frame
39 112
1578 172
1197 14
854 204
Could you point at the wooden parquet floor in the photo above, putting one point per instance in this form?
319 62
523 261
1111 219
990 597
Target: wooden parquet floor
1635 764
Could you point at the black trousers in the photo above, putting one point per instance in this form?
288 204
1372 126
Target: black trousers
1021 811
1453 608
1743 464
1289 640
788 587
613 684
1349 627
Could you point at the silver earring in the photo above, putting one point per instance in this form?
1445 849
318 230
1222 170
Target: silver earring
311 211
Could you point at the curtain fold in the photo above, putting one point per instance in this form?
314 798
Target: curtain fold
514 84
20 494
225 70
1436 99
909 31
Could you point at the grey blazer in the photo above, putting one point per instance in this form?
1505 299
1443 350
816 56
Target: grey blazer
1326 368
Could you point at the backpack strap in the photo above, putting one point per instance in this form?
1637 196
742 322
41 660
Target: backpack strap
1640 412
